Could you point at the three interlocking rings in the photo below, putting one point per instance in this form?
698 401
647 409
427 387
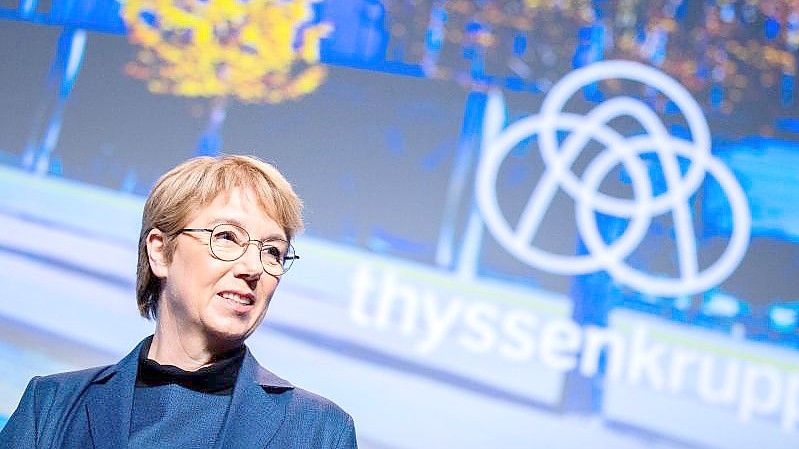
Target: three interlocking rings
560 154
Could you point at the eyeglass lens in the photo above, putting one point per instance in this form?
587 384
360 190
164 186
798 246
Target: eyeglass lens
229 242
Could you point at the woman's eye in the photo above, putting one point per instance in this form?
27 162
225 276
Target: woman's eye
273 252
226 236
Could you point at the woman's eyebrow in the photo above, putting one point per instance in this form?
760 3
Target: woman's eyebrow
275 238
229 220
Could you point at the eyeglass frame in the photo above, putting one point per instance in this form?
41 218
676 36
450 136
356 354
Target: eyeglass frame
258 243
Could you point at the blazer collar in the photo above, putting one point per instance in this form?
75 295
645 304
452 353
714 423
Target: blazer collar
257 407
109 402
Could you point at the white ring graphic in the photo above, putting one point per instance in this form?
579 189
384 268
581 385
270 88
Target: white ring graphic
559 157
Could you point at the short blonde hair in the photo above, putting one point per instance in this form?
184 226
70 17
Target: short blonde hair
195 184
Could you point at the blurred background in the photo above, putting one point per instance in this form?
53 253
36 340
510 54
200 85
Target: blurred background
529 223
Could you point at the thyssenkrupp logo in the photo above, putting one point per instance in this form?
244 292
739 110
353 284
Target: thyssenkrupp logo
559 155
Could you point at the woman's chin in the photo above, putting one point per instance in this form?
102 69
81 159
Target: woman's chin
226 338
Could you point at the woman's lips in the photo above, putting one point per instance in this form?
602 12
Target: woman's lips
241 302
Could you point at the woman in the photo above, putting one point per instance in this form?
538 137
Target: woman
215 240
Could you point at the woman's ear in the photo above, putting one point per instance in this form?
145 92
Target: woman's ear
156 252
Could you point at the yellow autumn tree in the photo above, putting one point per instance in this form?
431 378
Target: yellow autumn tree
257 50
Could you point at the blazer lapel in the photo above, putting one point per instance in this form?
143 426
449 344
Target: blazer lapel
257 408
109 402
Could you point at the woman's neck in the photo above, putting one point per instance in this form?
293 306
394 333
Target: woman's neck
187 352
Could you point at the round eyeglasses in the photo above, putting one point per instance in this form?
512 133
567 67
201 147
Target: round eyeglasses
229 242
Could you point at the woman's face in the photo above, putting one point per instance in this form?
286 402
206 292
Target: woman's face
212 301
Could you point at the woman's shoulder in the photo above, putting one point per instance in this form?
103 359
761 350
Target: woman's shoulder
305 402
83 375
315 421
61 383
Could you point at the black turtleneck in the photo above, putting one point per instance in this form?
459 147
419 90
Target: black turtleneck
217 378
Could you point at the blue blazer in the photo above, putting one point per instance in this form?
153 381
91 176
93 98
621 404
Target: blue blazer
92 409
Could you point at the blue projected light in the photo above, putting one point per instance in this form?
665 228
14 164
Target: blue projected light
760 166
784 318
721 308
